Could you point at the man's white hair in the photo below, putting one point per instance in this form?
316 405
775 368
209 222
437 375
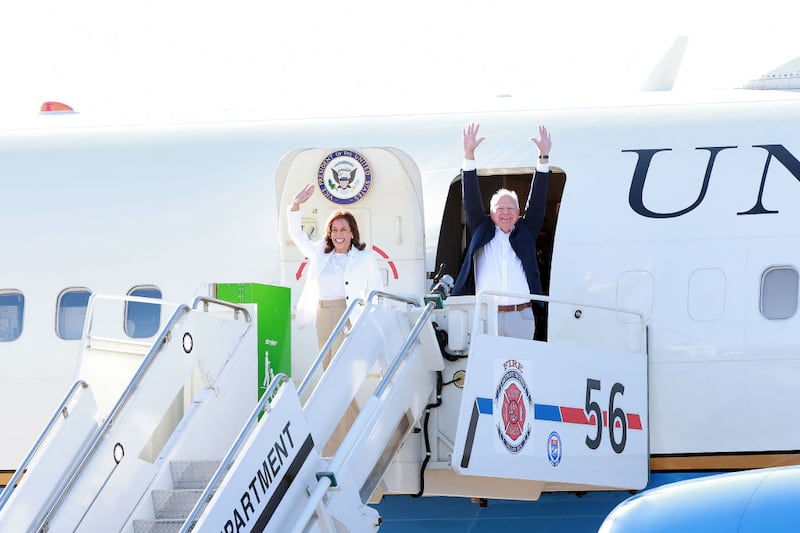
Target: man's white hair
499 194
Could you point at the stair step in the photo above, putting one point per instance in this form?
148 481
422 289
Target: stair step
192 474
157 526
174 504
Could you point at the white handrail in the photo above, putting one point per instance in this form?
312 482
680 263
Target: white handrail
98 437
365 419
318 361
233 451
483 297
60 411
340 325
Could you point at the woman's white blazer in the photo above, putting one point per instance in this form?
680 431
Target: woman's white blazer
361 273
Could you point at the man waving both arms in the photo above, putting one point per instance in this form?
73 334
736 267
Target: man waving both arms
501 255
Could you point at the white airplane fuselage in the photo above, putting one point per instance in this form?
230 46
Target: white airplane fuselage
678 210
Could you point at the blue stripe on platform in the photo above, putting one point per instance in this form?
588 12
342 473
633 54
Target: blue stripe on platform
546 412
484 405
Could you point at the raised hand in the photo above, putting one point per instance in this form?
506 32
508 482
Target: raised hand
303 195
543 142
471 140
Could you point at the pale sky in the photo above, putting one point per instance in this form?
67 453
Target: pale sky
297 55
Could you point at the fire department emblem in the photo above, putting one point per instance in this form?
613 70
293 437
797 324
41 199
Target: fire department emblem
513 404
344 176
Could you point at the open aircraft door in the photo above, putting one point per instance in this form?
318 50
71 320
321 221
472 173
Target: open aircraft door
382 188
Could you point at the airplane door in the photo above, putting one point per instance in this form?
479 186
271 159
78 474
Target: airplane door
381 187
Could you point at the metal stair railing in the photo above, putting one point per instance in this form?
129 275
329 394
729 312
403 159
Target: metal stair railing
280 379
233 451
336 330
206 301
483 298
366 419
340 326
60 412
180 312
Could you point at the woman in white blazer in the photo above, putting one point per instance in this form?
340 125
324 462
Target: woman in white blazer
339 270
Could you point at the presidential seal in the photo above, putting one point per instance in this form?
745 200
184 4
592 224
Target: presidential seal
344 177
513 402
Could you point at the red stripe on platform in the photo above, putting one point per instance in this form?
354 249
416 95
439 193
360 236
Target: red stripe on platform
634 422
573 415
576 415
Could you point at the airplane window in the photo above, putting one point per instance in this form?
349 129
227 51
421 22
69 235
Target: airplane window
143 320
71 312
12 304
779 293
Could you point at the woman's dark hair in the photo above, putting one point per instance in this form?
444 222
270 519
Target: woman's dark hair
351 221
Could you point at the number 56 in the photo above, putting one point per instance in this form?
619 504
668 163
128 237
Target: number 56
592 407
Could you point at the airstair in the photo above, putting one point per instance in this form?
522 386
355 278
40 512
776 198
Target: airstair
178 451
187 446
278 481
94 461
